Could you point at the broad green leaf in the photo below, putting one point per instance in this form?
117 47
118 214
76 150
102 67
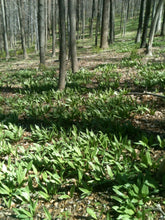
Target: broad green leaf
109 170
44 195
145 190
129 211
71 164
34 169
136 189
119 193
117 199
148 158
86 191
48 215
64 197
124 217
91 213
25 212
80 175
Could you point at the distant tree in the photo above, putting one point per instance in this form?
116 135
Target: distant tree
105 25
153 27
112 21
62 53
41 30
146 22
73 50
53 27
92 18
98 21
83 17
4 30
163 24
140 26
22 26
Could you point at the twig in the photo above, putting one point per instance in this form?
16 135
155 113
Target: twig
145 93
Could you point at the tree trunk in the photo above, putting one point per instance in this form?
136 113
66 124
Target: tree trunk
145 26
62 53
163 24
22 26
53 27
97 21
72 16
112 22
78 18
141 15
41 30
105 25
5 30
92 18
83 18
153 27
158 25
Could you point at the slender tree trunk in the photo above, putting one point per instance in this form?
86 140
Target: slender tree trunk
83 18
62 53
36 26
105 25
158 25
53 27
97 22
163 23
139 31
41 30
153 27
146 21
72 16
92 18
112 22
22 26
46 24
78 18
5 30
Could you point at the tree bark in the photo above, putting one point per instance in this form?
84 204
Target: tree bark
97 21
5 30
139 31
105 25
92 18
41 31
163 24
72 17
62 53
22 26
112 22
53 27
153 27
145 26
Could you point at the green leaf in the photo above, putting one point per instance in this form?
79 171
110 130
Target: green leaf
80 175
129 211
86 191
124 217
34 169
91 213
120 193
117 199
109 170
64 197
145 190
44 195
48 215
148 158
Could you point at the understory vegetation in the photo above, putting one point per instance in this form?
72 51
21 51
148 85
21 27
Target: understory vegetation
89 144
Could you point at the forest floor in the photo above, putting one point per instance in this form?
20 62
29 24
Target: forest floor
150 120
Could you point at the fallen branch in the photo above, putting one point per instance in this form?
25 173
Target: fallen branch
145 93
